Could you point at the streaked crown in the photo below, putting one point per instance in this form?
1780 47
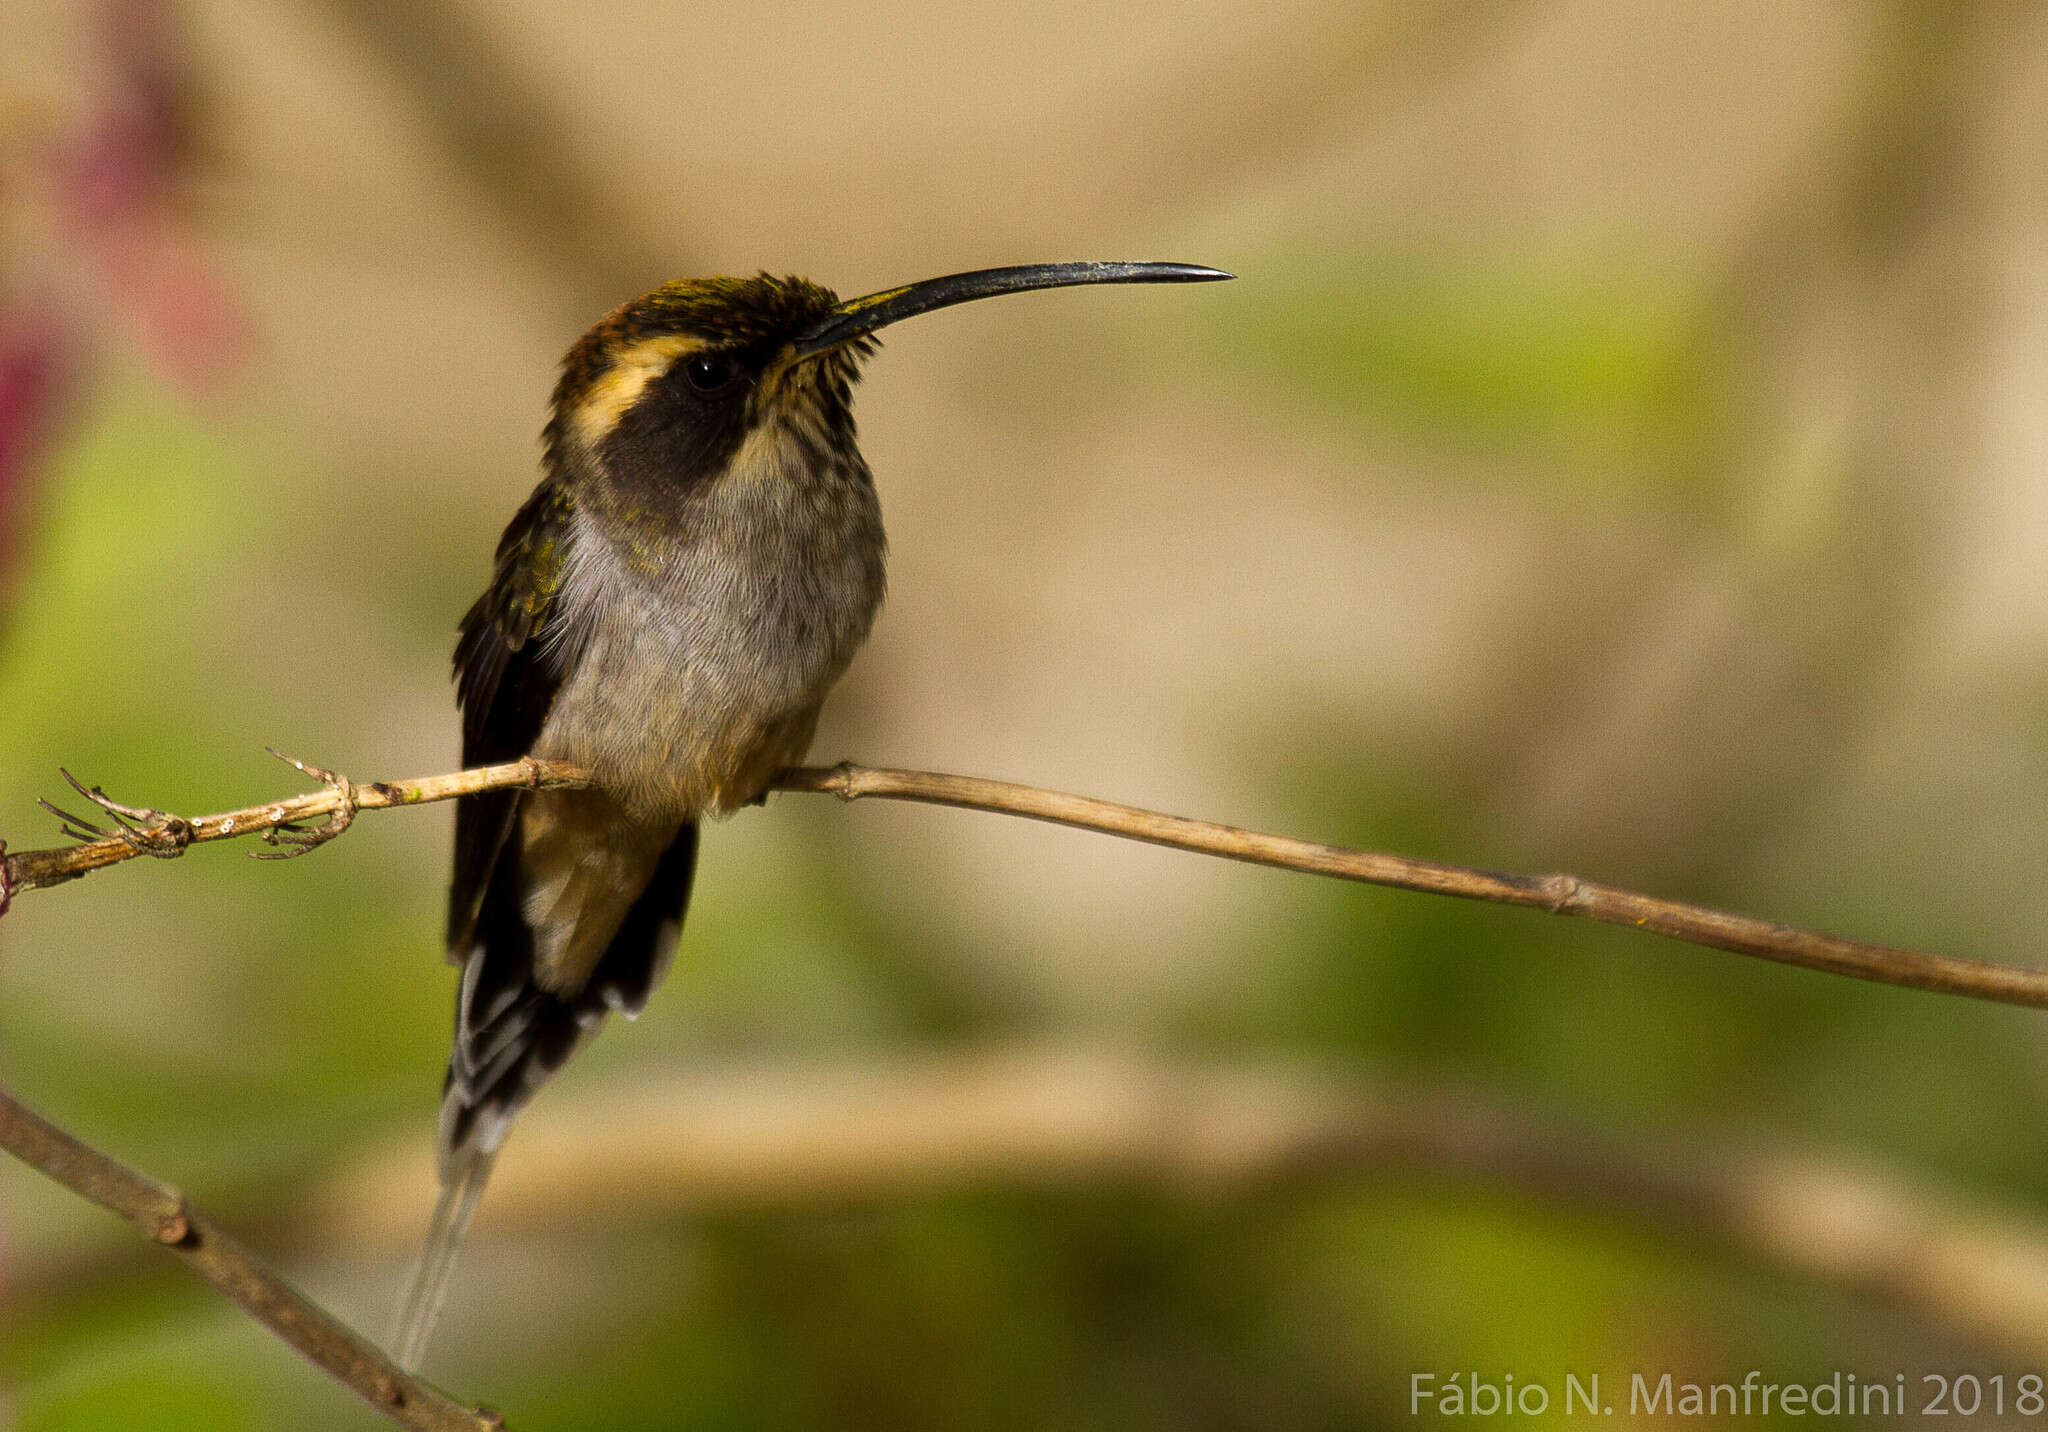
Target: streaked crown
667 385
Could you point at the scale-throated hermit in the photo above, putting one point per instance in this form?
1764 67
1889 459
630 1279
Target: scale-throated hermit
700 562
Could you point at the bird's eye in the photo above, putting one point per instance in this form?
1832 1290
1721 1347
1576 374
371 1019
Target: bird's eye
710 372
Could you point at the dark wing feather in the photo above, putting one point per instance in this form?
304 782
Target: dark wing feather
509 664
639 954
512 1035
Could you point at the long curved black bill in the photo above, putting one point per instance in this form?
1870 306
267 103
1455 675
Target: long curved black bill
859 316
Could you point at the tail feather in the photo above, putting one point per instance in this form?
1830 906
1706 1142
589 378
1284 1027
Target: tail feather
512 1035
428 1286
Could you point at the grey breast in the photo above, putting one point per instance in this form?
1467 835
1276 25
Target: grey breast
691 654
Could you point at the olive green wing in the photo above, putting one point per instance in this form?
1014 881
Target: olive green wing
510 662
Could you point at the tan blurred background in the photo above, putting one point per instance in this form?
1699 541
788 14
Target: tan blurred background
1624 450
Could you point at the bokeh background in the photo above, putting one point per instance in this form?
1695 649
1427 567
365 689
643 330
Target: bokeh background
1625 451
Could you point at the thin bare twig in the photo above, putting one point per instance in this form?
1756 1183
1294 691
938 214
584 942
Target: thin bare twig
162 1214
298 840
1558 894
32 869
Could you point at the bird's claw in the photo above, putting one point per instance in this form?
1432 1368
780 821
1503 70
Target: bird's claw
146 831
298 839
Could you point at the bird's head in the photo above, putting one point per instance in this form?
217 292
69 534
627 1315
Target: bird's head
673 384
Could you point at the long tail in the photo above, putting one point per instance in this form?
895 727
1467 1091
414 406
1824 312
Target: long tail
428 1285
511 1034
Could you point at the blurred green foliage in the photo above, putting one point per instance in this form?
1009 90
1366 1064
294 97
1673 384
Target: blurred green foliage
1598 365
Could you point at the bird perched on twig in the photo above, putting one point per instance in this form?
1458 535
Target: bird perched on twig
701 559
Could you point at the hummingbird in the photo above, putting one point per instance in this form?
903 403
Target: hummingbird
700 561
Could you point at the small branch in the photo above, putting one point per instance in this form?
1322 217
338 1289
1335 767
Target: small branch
1558 894
163 1215
167 835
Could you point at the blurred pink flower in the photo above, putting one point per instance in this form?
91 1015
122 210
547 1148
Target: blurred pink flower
38 360
116 184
